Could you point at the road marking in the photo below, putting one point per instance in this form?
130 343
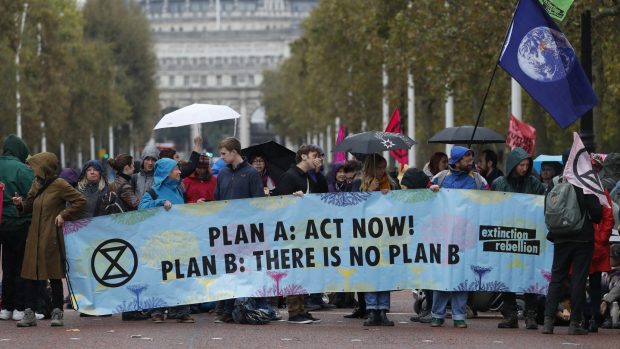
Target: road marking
74 338
286 339
567 343
356 340
427 341
216 338
498 342
403 322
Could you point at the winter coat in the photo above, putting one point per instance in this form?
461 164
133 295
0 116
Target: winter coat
123 189
610 175
196 189
17 178
44 252
528 184
427 170
493 175
241 182
456 179
143 181
602 233
167 189
295 180
95 198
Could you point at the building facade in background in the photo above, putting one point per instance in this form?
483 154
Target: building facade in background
215 51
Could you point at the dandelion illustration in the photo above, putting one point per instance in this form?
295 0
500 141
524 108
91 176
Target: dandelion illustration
480 271
546 275
536 289
293 289
73 226
137 289
277 276
134 217
344 199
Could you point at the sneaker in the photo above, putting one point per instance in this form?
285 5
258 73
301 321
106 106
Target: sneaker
186 319
57 318
312 318
39 316
299 319
426 319
437 322
224 319
18 315
459 323
28 319
158 318
5 314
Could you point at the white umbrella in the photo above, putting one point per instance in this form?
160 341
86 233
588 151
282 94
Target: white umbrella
197 114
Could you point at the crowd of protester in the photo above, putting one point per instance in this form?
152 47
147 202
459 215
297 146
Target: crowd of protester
39 197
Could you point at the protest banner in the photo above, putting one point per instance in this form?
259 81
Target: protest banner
273 246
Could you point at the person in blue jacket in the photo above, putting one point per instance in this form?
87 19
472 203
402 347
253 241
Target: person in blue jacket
165 192
459 175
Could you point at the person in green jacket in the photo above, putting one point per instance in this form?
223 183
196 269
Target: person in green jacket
17 178
519 179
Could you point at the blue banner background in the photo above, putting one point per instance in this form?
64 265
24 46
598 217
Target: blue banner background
449 217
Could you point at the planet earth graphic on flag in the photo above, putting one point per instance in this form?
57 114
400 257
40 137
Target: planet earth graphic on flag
545 55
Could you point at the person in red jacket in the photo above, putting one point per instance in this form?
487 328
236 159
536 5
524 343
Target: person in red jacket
600 261
200 185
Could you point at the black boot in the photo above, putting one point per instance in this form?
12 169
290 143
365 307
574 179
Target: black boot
373 318
358 313
575 328
530 320
510 321
383 320
593 327
548 325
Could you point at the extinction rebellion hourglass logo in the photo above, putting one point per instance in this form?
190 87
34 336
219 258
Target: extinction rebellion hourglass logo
114 262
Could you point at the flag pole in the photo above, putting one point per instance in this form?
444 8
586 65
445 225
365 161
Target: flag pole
486 93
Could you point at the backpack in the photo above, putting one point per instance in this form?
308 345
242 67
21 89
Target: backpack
113 203
563 213
441 176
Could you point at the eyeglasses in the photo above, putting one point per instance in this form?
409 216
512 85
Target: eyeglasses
256 161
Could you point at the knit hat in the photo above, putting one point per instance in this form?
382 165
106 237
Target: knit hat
71 175
457 153
94 164
150 151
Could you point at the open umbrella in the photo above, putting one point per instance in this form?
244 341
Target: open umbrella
197 114
275 154
462 135
374 142
546 158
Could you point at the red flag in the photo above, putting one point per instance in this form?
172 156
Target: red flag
340 156
521 135
394 126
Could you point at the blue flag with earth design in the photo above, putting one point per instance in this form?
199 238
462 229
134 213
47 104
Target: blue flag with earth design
538 55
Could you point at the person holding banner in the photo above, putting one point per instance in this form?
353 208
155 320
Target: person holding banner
459 176
123 166
52 201
437 163
519 179
165 192
296 181
17 178
375 178
237 180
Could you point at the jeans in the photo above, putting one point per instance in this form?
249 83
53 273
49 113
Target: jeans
13 244
577 255
377 300
440 302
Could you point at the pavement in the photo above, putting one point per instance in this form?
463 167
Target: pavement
334 331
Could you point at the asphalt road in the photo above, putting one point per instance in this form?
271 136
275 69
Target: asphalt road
333 332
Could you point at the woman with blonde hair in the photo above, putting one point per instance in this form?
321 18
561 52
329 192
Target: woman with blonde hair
375 178
94 187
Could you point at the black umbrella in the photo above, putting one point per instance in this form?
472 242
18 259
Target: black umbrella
374 142
462 135
275 154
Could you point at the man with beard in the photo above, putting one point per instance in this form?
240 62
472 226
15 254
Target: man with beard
519 179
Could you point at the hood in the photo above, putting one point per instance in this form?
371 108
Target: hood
414 179
71 175
150 151
95 164
14 146
457 154
163 167
44 165
331 178
517 155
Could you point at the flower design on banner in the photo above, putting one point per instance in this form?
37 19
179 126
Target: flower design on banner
73 226
273 202
134 217
134 305
345 199
477 285
413 196
202 208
